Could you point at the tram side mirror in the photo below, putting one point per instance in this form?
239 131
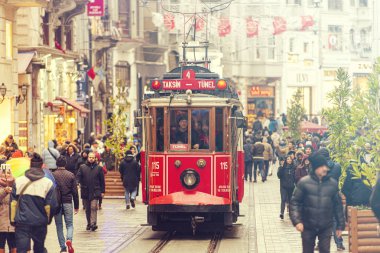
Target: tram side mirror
240 119
137 118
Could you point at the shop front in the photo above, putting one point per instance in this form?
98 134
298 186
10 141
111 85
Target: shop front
260 102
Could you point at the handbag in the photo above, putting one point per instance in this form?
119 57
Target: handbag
55 158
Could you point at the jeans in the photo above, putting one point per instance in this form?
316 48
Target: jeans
266 167
130 195
286 195
259 163
248 170
23 235
91 207
68 216
338 240
309 236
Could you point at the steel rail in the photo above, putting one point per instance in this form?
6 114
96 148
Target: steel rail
163 242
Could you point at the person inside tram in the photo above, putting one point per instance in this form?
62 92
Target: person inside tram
180 135
196 131
160 135
204 136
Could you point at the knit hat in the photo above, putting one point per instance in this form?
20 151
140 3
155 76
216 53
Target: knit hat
61 161
128 153
181 118
36 161
317 160
324 152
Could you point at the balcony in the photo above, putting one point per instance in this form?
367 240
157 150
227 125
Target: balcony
28 3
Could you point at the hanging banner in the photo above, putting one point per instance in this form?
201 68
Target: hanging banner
199 24
252 27
224 27
95 8
279 25
306 22
169 21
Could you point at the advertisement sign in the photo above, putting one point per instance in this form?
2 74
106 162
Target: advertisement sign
222 176
95 8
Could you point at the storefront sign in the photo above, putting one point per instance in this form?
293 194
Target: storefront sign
95 8
261 91
361 67
304 78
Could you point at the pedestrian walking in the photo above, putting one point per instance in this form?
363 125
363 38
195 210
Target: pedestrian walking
303 169
268 156
258 159
314 204
92 186
67 186
7 232
108 158
129 172
286 174
49 156
72 158
248 160
32 202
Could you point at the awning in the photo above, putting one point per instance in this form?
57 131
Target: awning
23 61
74 104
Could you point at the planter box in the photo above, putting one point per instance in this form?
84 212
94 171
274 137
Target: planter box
362 231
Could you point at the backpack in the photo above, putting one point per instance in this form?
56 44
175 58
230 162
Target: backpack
58 200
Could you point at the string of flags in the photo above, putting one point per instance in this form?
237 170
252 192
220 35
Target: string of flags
225 26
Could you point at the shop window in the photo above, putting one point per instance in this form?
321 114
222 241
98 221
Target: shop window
219 125
8 40
160 134
125 17
200 129
335 5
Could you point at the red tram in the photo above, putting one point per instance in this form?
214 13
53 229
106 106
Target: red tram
193 161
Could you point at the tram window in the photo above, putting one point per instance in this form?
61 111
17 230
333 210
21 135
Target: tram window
160 129
219 136
200 130
179 129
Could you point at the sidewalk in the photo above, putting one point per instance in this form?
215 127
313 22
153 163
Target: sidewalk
274 234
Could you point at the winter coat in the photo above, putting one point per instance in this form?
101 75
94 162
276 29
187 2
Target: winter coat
48 159
130 173
91 180
375 200
257 126
37 201
67 185
335 170
301 172
5 225
108 159
258 151
286 174
71 162
8 153
248 148
356 192
268 152
316 202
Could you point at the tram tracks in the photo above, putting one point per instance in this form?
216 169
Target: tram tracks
212 246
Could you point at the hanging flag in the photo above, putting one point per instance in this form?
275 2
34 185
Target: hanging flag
252 27
224 27
279 25
58 46
169 21
199 24
306 21
91 73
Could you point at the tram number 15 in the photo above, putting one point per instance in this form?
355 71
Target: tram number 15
224 166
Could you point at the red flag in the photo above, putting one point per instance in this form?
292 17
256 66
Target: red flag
279 25
169 21
58 46
306 21
200 24
91 73
224 27
252 27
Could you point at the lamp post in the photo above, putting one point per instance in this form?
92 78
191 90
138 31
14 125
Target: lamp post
3 91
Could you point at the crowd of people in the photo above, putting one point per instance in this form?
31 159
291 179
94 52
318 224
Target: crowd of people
308 181
50 189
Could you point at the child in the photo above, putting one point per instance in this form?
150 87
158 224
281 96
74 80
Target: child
7 232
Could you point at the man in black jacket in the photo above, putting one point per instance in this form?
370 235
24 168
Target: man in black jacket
92 186
130 173
248 160
375 200
67 186
314 203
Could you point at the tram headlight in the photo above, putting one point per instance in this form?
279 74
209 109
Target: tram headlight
190 178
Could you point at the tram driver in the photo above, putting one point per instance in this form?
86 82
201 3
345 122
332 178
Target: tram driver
181 133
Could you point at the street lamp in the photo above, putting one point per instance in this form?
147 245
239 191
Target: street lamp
21 98
3 91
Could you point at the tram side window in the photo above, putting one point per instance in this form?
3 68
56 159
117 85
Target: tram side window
160 129
179 127
200 130
219 136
